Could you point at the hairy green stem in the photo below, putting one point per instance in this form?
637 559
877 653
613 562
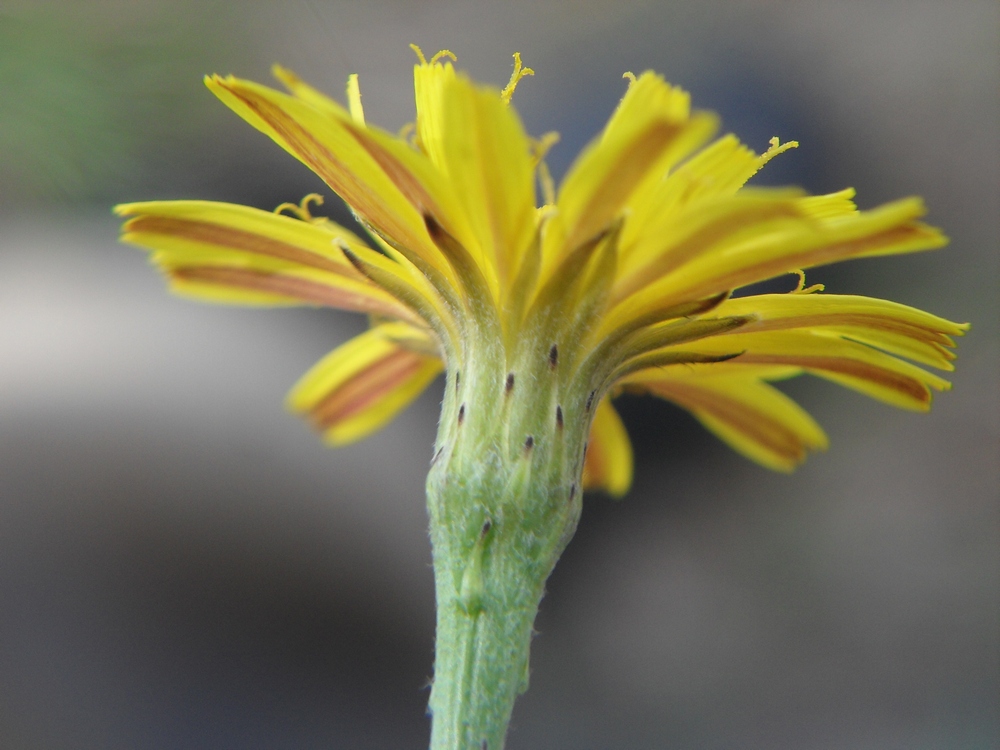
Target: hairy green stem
503 499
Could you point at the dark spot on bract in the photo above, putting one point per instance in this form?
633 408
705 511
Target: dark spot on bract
572 491
458 379
433 227
353 259
487 525
509 385
590 400
553 356
461 414
559 417
529 442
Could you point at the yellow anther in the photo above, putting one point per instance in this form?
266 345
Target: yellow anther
519 73
630 75
354 99
302 209
441 54
801 286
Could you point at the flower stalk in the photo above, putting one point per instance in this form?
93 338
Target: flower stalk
504 498
503 503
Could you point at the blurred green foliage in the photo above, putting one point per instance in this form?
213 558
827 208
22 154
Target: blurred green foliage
89 97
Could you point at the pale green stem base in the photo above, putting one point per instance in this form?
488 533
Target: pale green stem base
481 665
503 501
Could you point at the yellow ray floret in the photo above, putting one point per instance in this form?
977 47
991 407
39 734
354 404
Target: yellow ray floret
651 130
372 171
830 356
752 417
479 145
608 462
236 254
722 255
628 276
894 328
363 384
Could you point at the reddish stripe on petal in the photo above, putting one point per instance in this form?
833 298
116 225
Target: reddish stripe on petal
292 287
818 256
614 189
751 422
402 177
850 367
365 388
323 162
237 239
861 320
702 239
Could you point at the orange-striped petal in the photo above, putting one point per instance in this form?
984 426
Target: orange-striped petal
361 385
776 247
824 353
236 254
897 329
478 143
752 417
375 174
652 129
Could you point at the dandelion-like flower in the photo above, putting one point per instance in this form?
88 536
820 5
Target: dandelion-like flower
625 279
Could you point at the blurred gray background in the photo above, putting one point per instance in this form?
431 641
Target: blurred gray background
183 565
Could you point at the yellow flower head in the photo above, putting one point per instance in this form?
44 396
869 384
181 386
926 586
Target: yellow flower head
625 279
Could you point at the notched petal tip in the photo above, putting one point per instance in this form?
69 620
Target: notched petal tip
287 77
215 81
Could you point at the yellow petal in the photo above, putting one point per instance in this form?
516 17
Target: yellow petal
651 130
377 180
236 254
829 356
361 385
705 229
716 172
831 205
608 463
782 246
752 417
719 170
354 99
479 144
898 329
